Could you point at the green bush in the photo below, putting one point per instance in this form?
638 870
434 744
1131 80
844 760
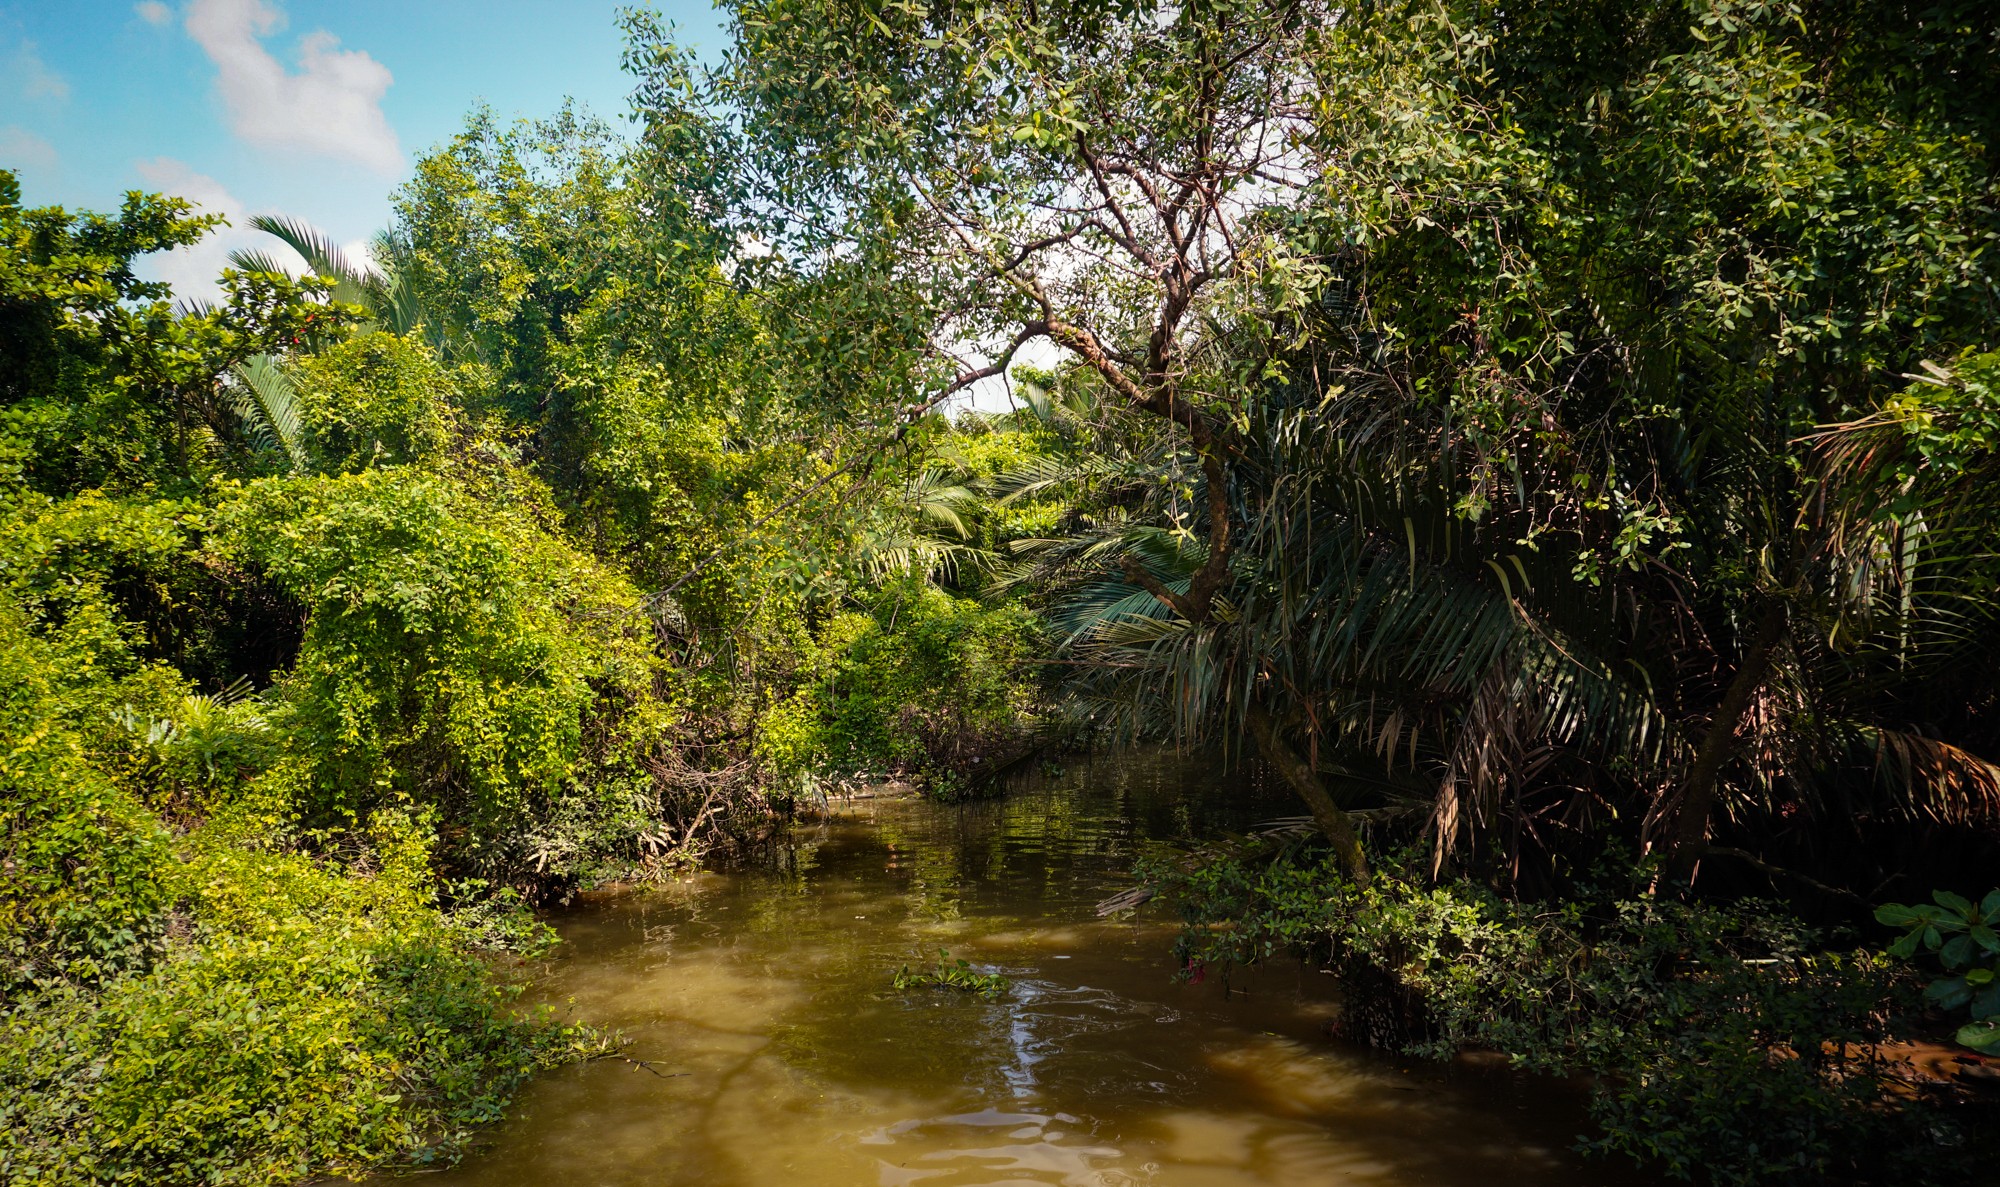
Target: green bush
79 856
246 722
1725 1043
377 399
925 683
218 1006
312 1020
1965 940
455 651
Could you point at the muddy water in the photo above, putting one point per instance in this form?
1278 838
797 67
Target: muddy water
778 1054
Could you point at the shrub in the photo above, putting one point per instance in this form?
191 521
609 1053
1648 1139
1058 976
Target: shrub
1725 1042
225 1004
1965 940
455 653
377 399
79 856
314 1021
925 683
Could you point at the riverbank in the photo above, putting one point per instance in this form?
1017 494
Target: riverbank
772 1045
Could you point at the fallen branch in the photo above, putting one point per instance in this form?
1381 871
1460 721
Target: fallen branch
1759 863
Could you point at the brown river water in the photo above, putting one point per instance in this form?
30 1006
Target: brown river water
778 1054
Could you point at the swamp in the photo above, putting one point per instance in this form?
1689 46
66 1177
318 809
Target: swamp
1085 592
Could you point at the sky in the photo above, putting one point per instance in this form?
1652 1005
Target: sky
312 109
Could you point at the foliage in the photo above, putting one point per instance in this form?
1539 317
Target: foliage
102 383
453 649
378 400
80 895
1962 938
1538 433
868 698
218 1007
202 982
951 974
1728 1043
1506 388
310 1020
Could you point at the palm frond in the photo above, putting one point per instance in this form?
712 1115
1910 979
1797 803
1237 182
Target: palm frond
265 401
257 261
1933 779
314 247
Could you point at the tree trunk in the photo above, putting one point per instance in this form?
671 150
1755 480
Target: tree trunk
1296 772
1689 833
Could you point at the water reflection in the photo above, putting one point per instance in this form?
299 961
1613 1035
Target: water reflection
777 1051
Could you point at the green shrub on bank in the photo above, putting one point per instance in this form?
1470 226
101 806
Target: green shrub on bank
378 400
222 1003
314 1020
924 683
455 651
1727 1044
80 895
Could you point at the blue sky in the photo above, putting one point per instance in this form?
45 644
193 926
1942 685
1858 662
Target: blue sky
307 108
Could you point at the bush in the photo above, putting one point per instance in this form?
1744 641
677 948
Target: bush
1725 1042
926 684
375 400
456 652
79 856
231 1003
313 1022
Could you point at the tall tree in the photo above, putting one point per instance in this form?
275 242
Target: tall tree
1101 178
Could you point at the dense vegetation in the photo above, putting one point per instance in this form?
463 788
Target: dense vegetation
1561 443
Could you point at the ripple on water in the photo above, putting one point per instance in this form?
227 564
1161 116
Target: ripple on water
782 1056
965 1149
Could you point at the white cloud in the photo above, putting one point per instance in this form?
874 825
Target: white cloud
154 13
331 107
194 270
37 79
22 149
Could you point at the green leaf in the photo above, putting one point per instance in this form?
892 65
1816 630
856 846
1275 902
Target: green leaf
1957 952
1892 914
1983 1037
1955 902
1950 993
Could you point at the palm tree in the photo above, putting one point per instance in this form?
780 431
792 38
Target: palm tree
260 392
1480 686
379 285
260 389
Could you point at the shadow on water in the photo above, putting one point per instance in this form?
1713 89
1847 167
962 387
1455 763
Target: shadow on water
781 1054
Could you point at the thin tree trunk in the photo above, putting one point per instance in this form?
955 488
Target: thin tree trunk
1689 834
1296 772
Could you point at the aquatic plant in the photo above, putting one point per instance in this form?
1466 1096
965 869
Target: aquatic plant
948 973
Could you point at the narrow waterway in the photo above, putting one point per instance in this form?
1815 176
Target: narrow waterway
779 1055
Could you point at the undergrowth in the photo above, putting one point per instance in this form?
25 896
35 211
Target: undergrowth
1725 1043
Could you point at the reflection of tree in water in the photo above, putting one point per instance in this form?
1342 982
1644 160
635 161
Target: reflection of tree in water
931 873
1013 866
773 993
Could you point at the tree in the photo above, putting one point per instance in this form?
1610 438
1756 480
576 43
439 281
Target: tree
103 383
1496 422
991 176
